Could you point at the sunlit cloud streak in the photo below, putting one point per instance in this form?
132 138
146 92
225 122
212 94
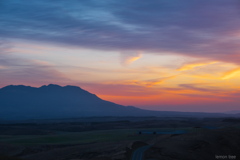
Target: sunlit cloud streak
153 82
129 57
194 65
146 83
231 74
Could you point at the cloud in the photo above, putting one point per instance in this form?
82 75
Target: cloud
28 72
195 87
203 28
129 57
153 82
146 83
2 67
5 45
194 65
231 74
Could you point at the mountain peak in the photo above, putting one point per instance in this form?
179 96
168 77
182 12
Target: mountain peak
51 85
58 86
17 88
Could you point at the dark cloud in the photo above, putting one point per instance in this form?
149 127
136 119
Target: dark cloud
206 28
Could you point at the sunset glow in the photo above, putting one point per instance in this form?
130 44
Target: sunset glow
161 55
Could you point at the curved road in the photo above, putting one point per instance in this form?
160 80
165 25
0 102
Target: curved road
138 153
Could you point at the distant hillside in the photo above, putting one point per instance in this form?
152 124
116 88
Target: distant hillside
54 101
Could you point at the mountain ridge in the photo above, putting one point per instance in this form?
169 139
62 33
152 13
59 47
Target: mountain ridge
54 101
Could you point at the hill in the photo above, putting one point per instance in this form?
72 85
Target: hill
54 101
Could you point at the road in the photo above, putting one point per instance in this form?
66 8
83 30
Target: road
138 153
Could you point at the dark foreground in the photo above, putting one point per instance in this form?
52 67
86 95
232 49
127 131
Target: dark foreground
112 138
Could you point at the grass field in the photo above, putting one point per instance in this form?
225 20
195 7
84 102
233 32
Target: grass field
73 137
80 137
91 140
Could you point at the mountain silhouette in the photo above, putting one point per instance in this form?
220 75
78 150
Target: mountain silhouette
54 101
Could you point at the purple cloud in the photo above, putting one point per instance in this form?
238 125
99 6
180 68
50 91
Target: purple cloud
22 71
205 28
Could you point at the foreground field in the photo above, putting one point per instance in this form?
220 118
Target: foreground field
109 139
75 137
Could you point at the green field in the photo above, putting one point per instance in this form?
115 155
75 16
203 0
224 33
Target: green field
81 137
73 137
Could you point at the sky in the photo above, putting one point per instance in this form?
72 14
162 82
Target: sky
159 55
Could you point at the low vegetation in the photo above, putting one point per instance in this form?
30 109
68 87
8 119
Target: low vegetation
111 139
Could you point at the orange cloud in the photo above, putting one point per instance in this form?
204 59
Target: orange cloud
194 65
232 73
151 83
148 83
132 59
128 58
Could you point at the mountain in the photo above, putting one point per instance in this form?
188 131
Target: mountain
233 112
54 101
